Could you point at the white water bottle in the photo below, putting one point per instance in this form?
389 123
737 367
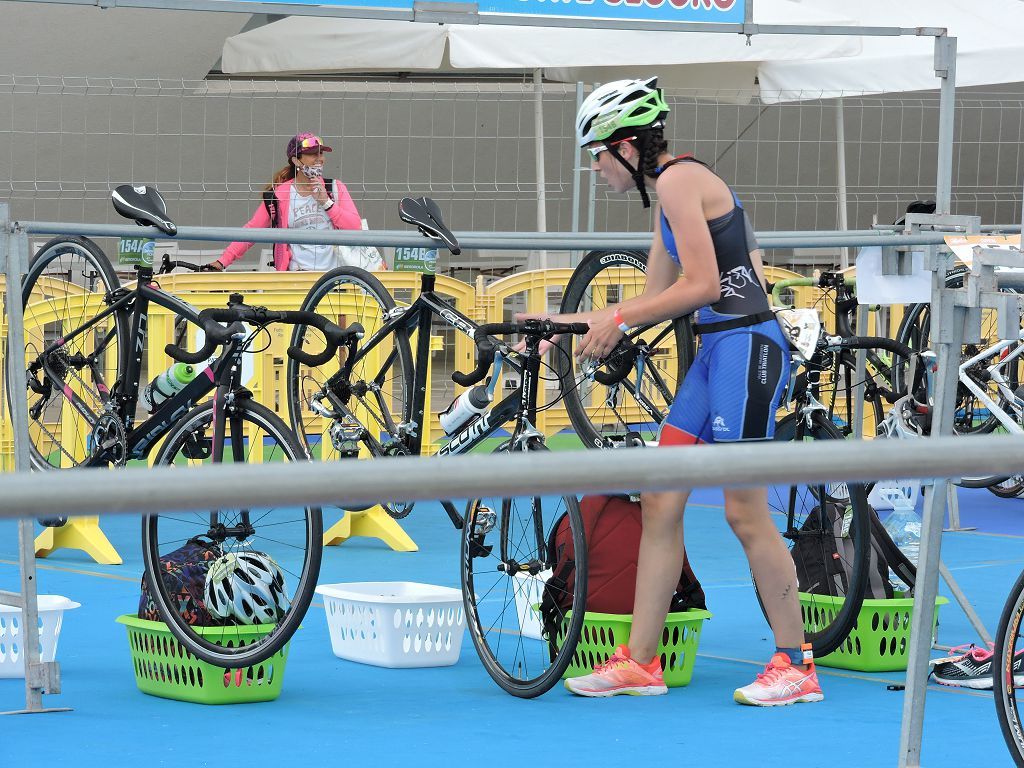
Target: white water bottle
470 403
168 383
904 527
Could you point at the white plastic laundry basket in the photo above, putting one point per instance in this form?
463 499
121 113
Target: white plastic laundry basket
394 623
528 594
12 633
881 494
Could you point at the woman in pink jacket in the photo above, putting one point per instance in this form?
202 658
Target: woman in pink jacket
299 198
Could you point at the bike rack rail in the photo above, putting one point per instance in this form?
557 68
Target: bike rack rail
40 677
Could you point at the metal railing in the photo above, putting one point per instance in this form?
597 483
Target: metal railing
154 490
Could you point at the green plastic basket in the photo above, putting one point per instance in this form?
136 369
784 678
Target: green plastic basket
602 632
880 638
164 668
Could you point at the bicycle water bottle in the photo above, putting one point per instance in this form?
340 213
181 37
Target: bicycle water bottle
168 383
470 403
904 527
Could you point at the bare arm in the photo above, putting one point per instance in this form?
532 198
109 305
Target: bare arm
682 194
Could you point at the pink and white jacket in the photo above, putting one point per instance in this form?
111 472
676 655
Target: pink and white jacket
343 215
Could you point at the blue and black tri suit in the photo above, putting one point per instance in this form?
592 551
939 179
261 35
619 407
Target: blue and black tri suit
733 389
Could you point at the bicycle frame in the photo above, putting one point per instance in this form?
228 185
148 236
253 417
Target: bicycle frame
135 303
419 316
996 375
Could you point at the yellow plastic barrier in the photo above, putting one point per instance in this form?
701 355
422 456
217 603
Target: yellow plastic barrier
265 371
538 285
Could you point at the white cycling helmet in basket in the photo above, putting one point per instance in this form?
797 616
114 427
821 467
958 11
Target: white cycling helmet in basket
620 110
248 587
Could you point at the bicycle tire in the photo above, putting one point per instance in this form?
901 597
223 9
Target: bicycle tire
1009 488
915 331
1005 684
66 285
296 535
825 627
600 414
334 295
527 667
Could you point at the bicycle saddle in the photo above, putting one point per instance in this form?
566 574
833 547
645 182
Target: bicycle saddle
144 205
426 215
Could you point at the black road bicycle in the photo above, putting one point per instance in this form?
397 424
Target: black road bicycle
85 340
371 400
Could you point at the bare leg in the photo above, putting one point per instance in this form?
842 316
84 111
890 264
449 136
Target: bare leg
746 510
658 568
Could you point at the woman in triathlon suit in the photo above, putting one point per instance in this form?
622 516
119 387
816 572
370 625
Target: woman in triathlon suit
703 258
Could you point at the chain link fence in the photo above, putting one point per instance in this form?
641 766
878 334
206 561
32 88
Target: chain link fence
210 146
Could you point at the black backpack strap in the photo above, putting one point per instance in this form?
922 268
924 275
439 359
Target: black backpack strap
550 611
270 203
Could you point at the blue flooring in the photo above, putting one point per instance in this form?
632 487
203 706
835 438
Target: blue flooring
342 712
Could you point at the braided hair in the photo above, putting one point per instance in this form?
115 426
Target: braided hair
652 145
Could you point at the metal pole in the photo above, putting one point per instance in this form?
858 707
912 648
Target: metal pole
948 330
591 195
39 678
945 69
844 253
948 335
538 125
577 171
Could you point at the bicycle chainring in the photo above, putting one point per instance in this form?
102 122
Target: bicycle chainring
109 440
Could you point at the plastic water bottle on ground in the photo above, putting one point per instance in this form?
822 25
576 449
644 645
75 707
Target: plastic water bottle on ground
904 528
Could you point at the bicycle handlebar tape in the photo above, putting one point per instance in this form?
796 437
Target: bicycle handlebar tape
619 362
877 342
484 361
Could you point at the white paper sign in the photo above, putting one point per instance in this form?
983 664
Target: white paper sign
875 288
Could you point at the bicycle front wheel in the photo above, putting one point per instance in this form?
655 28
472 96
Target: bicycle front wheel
505 562
68 283
658 356
828 529
289 537
1007 675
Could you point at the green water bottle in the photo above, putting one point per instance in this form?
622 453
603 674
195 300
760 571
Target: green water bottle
168 383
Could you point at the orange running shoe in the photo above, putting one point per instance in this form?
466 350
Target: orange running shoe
620 674
781 683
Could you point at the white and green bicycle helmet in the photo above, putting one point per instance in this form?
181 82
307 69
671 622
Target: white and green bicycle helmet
615 110
636 104
247 587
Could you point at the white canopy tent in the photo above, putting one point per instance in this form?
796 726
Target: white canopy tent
990 50
683 59
724 64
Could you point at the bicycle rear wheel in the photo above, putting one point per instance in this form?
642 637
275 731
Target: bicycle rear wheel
68 282
504 559
826 523
290 536
1007 673
658 356
377 394
970 415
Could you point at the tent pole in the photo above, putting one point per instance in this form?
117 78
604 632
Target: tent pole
538 122
841 178
945 69
577 171
844 253
947 344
